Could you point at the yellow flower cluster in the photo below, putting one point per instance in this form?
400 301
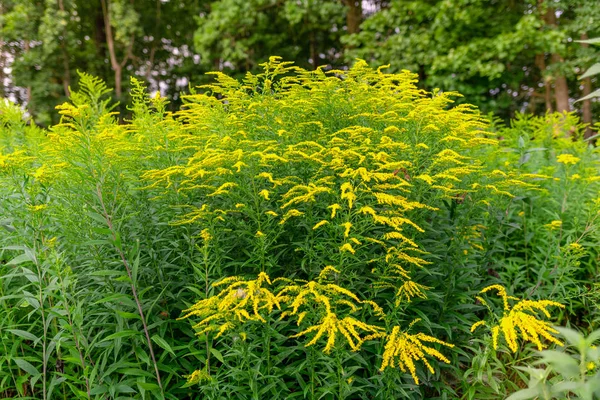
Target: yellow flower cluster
567 159
403 349
243 301
521 316
198 376
557 224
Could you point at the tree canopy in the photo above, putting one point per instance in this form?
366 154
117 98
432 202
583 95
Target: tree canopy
504 56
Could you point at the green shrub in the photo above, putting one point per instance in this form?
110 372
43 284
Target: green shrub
327 234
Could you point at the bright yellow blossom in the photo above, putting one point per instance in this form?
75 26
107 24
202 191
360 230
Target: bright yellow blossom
347 247
320 224
556 224
522 315
403 349
567 159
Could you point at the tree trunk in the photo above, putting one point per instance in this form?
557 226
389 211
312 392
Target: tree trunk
118 78
2 94
116 66
2 59
353 15
561 89
314 55
99 33
28 90
65 54
586 108
154 40
540 61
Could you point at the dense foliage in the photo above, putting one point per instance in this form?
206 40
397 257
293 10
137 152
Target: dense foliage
505 56
295 234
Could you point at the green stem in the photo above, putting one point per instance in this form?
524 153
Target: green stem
119 249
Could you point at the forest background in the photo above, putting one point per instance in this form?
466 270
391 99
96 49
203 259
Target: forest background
504 56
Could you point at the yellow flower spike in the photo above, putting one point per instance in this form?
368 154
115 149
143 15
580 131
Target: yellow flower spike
238 166
347 226
348 194
330 269
198 376
38 207
320 224
410 290
340 290
482 301
495 334
291 213
376 308
223 189
264 194
205 235
501 292
476 325
521 319
347 247
301 317
334 208
367 210
414 321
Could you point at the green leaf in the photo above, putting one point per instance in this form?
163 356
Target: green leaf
23 334
573 337
590 41
117 298
524 394
593 337
217 355
148 386
593 70
20 259
7 224
561 362
595 93
563 387
123 388
162 343
128 315
121 334
26 366
97 217
107 273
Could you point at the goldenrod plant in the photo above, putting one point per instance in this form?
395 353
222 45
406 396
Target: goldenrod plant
294 234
